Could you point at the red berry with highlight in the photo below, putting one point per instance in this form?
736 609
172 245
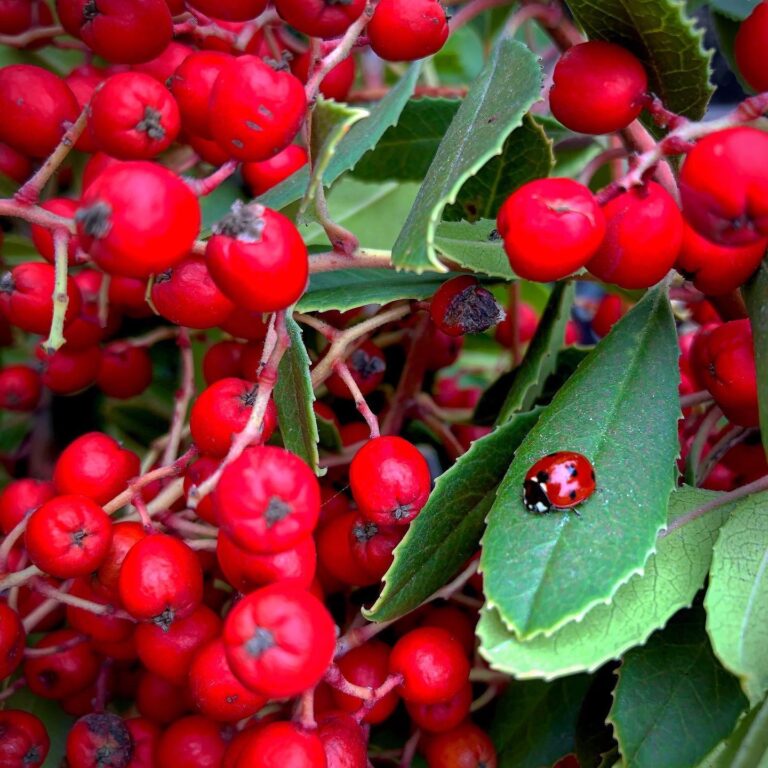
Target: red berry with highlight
20 388
466 746
125 371
443 716
12 641
264 175
406 30
230 10
749 48
320 18
192 742
24 742
279 745
61 673
21 497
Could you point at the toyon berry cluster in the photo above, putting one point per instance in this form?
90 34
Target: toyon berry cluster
383 383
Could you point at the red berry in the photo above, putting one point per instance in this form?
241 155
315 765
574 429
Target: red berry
122 31
334 552
373 546
12 641
464 747
187 295
13 165
24 742
26 297
99 739
208 151
597 87
336 84
462 305
258 259
161 701
230 10
432 663
137 219
95 166
222 411
37 107
101 628
344 741
257 111
126 370
610 310
68 536
320 18
279 640
279 745
551 228
749 48
133 117
20 388
42 237
455 621
83 81
527 322
68 371
61 673
145 735
367 365
196 474
724 186
192 84
192 742
21 497
160 580
390 480
643 238
217 693
405 30
559 480
244 324
17 16
129 295
262 176
267 500
443 716
163 66
222 361
96 466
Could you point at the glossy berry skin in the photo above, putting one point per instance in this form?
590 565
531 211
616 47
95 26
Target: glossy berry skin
99 739
560 480
14 165
610 310
20 388
454 620
334 552
37 107
258 111
187 295
267 500
344 741
145 735
68 371
122 31
443 716
128 295
137 219
95 465
749 48
216 691
373 546
461 305
262 176
279 640
68 536
19 498
320 18
221 411
643 238
160 580
432 663
125 371
230 10
406 30
192 742
133 117
25 297
551 228
466 746
717 269
159 700
390 481
61 674
191 86
724 362
258 259
597 88
724 186
336 84
24 742
247 325
367 365
281 744
222 361
12 641
163 66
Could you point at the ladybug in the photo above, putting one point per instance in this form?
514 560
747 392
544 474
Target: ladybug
558 481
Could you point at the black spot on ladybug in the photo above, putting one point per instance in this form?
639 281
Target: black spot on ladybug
574 471
543 477
572 495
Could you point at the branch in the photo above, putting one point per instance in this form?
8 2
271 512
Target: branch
362 406
60 298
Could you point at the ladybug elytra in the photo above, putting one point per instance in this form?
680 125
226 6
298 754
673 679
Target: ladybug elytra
558 481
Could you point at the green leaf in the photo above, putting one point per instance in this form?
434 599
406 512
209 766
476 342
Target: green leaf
493 108
475 246
349 288
535 723
757 304
746 747
619 409
737 597
361 137
526 155
446 532
330 439
671 579
294 397
407 149
331 122
667 42
541 356
217 204
673 702
734 9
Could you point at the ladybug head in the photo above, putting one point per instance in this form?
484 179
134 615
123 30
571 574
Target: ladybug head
535 496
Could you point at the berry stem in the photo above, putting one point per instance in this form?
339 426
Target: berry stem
12 688
336 679
452 446
100 609
378 92
10 539
183 397
409 749
305 711
485 698
693 462
695 398
563 32
377 694
23 39
341 239
186 526
733 436
203 187
549 16
153 337
19 578
207 545
341 368
324 329
60 298
34 214
32 619
37 653
143 512
597 162
363 258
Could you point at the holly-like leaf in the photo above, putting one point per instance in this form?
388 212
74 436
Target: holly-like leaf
746 747
494 107
475 246
620 409
294 398
667 42
361 137
672 577
446 532
673 702
541 357
757 303
535 722
737 597
526 155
